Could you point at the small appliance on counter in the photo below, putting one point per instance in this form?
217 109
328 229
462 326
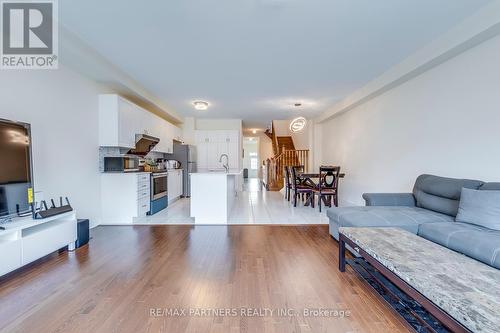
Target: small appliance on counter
121 164
172 164
162 163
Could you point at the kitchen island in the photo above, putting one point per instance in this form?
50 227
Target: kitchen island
213 194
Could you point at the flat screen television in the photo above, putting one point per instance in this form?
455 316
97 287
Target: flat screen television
16 184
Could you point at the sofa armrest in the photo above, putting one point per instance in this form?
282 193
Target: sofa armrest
389 199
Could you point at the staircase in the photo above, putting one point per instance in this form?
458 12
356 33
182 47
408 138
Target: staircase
285 143
285 154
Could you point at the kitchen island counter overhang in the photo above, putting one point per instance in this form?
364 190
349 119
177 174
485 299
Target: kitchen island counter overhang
213 195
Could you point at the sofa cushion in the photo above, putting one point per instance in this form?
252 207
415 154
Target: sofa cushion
441 194
407 218
490 187
474 241
480 207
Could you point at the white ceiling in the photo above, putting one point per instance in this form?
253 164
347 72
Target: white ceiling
253 59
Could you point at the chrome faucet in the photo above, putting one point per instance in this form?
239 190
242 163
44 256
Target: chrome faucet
226 165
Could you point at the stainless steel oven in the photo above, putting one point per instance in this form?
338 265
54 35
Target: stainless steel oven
159 185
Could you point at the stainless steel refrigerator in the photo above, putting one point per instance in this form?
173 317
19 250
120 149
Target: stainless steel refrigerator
186 154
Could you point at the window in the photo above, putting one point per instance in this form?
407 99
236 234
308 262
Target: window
254 163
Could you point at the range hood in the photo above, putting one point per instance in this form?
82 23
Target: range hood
143 144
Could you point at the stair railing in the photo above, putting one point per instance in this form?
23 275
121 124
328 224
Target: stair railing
275 167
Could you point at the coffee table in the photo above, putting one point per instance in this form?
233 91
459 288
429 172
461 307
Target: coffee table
460 292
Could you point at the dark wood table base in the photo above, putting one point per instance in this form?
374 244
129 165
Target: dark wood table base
424 322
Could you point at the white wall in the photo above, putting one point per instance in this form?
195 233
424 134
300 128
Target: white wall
62 108
444 122
219 124
301 140
265 147
188 130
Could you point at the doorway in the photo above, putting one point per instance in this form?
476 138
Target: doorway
251 156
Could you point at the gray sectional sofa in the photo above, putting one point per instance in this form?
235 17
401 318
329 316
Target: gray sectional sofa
429 212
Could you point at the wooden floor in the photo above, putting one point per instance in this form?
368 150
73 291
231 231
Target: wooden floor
113 284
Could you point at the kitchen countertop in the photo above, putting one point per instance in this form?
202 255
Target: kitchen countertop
125 173
139 172
232 172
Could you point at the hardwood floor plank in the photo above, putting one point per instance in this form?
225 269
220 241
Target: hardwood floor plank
112 284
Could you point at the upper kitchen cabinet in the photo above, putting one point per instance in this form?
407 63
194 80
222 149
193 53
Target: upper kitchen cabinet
178 134
228 143
117 121
120 120
164 131
212 144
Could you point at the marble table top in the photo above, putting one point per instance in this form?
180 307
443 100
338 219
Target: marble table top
466 289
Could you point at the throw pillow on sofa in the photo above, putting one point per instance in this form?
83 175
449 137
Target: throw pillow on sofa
480 207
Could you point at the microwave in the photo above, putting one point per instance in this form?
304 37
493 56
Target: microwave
121 164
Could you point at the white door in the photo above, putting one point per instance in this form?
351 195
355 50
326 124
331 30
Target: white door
126 124
213 156
202 151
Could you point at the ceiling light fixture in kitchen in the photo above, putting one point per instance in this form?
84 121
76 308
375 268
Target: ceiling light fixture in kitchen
200 105
298 124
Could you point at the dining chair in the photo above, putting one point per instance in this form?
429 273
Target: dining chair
327 186
288 182
298 188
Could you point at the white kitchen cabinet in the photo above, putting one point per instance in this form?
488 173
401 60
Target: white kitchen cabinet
120 120
202 152
228 144
116 122
124 196
212 144
168 135
127 118
157 130
165 132
174 184
207 149
213 155
178 134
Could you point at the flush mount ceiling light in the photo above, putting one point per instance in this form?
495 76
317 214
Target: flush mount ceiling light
200 105
254 131
294 104
298 124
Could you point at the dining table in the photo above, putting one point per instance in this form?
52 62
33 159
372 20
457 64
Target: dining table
308 178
